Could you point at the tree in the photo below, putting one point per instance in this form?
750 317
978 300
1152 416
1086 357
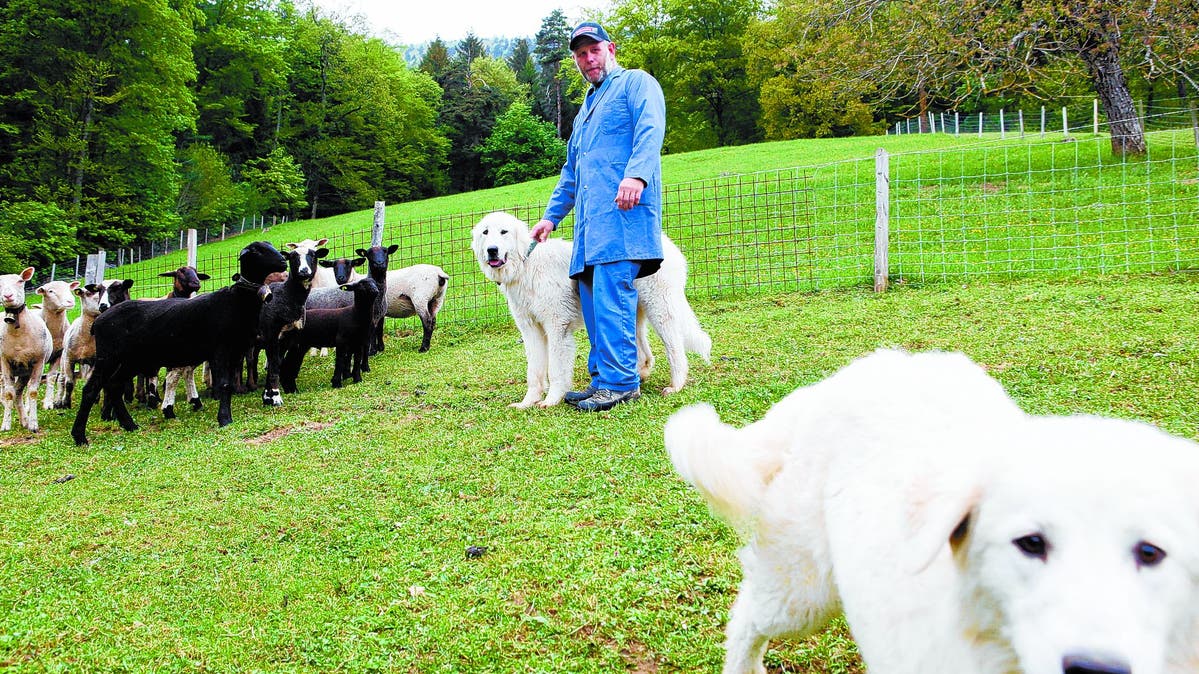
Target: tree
208 196
694 49
470 48
34 234
276 184
521 147
436 61
552 48
960 50
90 114
521 63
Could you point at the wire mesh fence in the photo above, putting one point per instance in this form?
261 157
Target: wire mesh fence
994 210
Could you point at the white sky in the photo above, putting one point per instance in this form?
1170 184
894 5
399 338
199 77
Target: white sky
417 21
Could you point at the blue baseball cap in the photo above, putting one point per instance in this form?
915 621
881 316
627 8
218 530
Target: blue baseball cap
588 30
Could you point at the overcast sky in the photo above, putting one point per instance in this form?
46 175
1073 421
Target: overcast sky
414 22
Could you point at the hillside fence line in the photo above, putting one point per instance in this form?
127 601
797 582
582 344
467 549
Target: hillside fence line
1058 207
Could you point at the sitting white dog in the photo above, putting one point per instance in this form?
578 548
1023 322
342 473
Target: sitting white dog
544 302
958 534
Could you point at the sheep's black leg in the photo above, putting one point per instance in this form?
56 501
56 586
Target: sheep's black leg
427 323
91 392
270 392
378 336
340 365
119 410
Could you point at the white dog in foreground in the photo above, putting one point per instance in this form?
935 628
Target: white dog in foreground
957 534
544 303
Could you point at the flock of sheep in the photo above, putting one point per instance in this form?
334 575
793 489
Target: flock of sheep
281 304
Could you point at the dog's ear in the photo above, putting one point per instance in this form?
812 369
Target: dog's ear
940 514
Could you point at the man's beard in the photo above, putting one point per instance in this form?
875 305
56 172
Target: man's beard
609 66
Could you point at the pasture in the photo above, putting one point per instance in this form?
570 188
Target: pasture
331 534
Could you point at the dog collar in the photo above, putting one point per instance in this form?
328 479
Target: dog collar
531 247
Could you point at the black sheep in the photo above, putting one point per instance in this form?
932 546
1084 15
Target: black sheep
349 329
135 338
285 313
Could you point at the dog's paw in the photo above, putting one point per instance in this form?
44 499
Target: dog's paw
670 389
522 405
548 403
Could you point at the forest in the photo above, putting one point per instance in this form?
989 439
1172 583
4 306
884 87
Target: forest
126 121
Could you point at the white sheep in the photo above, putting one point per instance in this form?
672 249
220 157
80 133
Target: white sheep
25 346
58 299
79 346
418 291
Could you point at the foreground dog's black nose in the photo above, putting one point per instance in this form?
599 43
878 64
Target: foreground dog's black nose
1088 664
493 252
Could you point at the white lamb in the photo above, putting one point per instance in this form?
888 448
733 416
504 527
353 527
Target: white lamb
25 346
418 291
58 299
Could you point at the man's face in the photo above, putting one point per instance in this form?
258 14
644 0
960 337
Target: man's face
595 60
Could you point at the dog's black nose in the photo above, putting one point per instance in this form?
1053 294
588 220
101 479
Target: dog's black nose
1090 664
493 252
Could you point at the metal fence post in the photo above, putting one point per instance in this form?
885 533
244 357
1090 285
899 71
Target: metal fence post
882 218
191 248
95 268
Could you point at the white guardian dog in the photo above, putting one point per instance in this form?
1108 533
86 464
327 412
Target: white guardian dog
544 302
958 534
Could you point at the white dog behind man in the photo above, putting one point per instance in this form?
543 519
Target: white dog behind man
956 533
544 303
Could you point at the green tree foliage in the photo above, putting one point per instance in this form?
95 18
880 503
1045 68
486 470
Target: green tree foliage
521 63
34 234
476 90
360 122
275 184
521 147
552 54
436 61
92 95
208 196
241 61
694 49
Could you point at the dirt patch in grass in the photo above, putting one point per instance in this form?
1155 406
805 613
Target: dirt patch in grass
276 433
637 657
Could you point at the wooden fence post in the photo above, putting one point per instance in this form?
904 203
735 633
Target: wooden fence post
191 248
377 226
95 268
882 217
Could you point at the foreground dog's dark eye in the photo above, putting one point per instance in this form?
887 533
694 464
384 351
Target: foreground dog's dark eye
503 232
485 232
1033 545
1148 554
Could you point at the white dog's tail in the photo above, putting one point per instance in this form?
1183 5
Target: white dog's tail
695 340
729 472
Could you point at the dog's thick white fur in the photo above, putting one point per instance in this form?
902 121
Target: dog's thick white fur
958 534
544 302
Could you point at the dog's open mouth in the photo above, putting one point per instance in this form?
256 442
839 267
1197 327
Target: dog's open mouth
495 262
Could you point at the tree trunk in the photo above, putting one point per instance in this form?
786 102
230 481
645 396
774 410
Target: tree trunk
1102 57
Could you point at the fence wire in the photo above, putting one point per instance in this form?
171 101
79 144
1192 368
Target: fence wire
995 210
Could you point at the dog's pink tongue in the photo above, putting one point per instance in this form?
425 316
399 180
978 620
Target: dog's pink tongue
496 263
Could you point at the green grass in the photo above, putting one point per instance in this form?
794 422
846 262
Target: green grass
329 534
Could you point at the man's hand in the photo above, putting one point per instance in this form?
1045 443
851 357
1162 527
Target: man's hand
541 231
628 194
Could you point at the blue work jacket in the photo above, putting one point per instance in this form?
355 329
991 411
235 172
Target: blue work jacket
617 134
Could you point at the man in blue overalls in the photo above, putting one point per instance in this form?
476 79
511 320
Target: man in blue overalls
612 179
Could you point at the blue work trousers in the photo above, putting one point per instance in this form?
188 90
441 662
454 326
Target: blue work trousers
609 302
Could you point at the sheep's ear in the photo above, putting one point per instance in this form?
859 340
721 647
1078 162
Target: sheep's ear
27 273
327 264
202 276
73 286
292 246
321 252
168 274
358 262
320 242
128 283
393 248
360 251
41 290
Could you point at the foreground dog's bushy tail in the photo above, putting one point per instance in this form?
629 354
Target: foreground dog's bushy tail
695 340
728 468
